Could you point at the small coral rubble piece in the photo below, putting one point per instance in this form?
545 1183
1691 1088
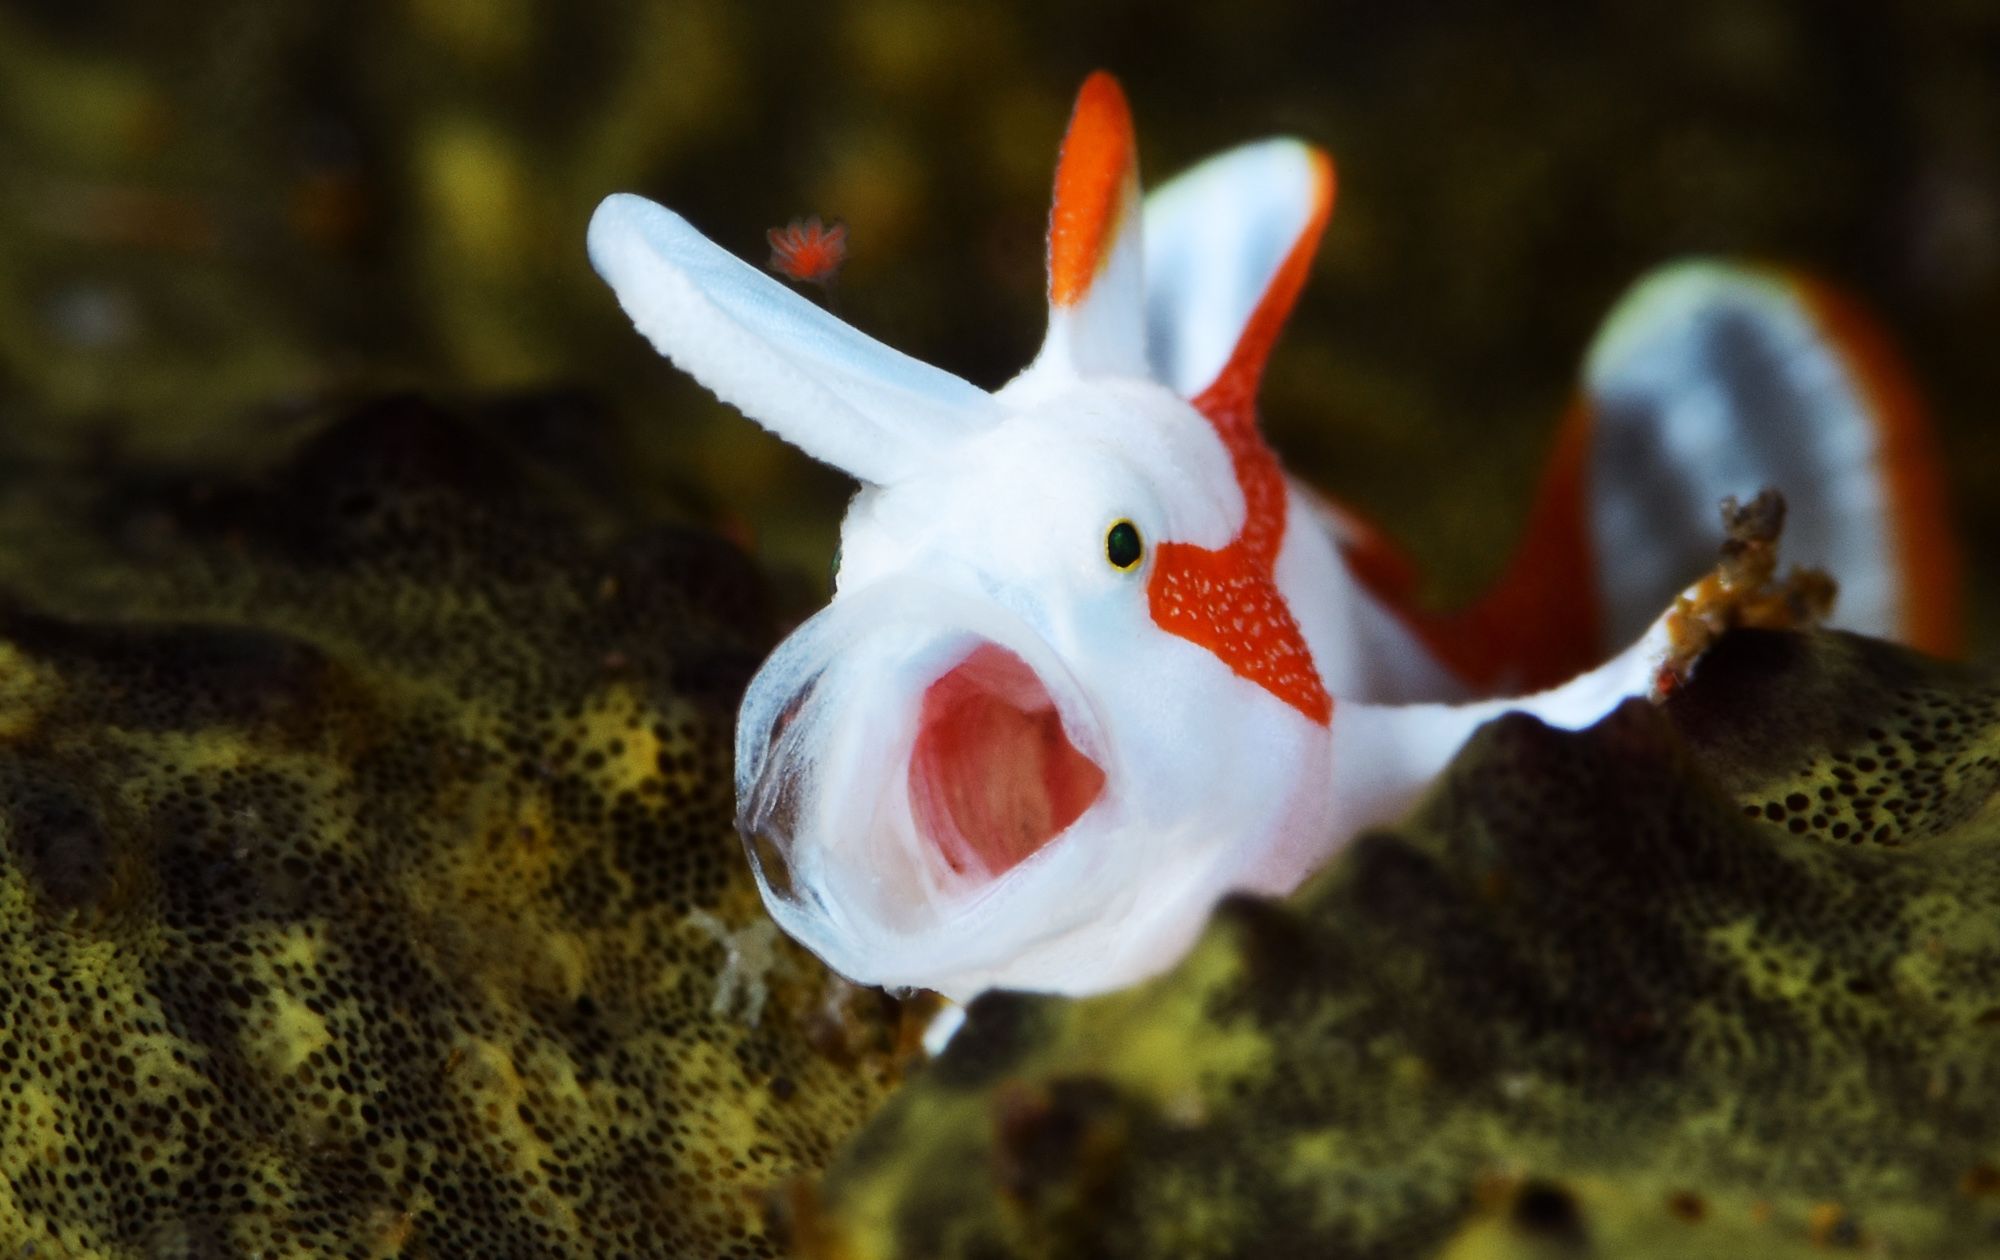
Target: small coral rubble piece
1743 590
364 833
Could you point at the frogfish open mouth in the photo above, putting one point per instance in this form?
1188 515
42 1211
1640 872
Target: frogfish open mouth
1093 660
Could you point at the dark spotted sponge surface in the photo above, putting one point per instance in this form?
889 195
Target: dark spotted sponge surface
367 879
1718 979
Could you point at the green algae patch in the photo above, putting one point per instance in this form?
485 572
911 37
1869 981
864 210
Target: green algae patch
1716 978
367 877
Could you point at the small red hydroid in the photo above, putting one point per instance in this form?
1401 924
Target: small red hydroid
808 251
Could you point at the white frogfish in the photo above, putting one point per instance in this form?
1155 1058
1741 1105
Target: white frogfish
1093 660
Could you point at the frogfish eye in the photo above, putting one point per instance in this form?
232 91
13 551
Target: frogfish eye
1122 546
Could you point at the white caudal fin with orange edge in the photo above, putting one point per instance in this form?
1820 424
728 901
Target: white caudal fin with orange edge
1711 379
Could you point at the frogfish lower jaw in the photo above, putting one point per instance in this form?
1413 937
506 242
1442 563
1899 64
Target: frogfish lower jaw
912 760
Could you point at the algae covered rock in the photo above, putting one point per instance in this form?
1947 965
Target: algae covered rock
1720 978
367 881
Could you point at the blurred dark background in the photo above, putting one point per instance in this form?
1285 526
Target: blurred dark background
217 214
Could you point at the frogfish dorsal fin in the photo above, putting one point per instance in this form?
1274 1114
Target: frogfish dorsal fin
1096 271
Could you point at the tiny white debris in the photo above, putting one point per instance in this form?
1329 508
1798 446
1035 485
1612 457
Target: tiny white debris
943 1027
748 959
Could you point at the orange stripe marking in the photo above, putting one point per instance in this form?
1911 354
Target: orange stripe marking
1930 567
1097 183
1228 600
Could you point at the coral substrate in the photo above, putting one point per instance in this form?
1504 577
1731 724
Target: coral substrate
367 887
367 881
1716 978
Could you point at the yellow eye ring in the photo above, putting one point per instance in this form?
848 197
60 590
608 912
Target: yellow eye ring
1122 546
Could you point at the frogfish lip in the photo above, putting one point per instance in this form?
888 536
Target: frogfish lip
900 755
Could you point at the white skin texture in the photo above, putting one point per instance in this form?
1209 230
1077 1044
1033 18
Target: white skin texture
981 522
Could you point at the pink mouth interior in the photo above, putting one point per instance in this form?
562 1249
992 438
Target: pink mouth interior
993 777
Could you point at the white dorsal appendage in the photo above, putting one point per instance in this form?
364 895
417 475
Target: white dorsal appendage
1215 237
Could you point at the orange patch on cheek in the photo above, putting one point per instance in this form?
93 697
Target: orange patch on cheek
1928 564
1227 602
